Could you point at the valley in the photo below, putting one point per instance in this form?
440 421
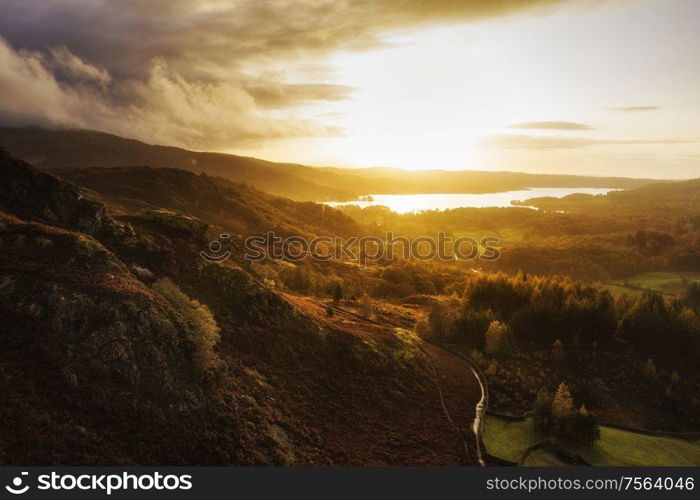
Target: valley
152 354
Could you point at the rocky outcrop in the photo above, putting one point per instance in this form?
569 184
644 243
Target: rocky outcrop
33 195
97 366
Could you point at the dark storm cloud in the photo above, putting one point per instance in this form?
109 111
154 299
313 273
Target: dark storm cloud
194 36
202 74
552 126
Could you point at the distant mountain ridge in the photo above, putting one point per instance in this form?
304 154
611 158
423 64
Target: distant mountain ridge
49 149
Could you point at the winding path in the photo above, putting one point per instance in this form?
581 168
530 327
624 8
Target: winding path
481 406
459 395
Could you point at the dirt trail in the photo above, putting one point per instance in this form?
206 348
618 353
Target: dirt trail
431 425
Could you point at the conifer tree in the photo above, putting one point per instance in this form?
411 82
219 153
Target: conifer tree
542 410
337 294
563 403
650 368
498 339
366 305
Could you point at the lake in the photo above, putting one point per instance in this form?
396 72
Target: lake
405 203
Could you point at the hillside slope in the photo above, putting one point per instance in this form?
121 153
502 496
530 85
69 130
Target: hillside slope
120 345
49 149
236 207
666 199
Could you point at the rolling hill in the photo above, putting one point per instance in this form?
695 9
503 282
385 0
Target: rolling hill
120 345
673 199
236 207
49 149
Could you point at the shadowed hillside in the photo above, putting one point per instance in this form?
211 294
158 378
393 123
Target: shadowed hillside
236 207
83 148
120 345
49 149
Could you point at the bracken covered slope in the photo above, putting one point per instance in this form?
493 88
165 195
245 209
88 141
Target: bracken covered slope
119 345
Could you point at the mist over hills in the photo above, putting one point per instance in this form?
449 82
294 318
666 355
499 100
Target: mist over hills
60 148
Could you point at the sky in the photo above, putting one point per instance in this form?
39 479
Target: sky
592 87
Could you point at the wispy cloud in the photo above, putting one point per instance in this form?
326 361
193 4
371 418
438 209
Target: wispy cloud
519 141
635 109
277 95
552 125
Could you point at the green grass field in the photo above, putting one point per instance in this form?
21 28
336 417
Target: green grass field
616 290
507 440
542 458
618 447
664 282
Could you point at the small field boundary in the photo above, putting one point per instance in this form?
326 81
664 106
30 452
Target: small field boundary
689 436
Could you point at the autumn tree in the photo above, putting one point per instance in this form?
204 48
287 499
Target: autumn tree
366 305
558 414
563 403
558 350
650 369
498 339
203 331
470 327
583 427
